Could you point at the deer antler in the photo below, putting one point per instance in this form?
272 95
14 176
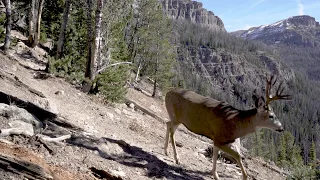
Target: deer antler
270 84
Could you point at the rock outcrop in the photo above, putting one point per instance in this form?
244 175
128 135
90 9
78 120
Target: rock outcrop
192 11
230 73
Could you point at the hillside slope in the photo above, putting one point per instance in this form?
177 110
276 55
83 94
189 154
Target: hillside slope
131 141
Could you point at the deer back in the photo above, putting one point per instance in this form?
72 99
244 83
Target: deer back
201 115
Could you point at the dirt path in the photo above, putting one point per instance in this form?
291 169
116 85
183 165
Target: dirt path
132 142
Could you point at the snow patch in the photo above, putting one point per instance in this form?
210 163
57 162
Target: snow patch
276 23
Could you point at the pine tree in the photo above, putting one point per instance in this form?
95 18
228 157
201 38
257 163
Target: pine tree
312 153
153 52
282 154
258 144
113 76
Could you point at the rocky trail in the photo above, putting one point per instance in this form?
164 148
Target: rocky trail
114 142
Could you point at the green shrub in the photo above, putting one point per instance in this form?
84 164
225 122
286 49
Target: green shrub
112 83
303 172
43 37
70 67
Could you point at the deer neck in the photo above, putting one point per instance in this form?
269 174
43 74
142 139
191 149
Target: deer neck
245 122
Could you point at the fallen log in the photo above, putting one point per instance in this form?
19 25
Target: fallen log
102 174
55 140
36 92
146 111
27 169
15 131
42 114
18 82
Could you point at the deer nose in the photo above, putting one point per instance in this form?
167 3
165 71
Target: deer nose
280 130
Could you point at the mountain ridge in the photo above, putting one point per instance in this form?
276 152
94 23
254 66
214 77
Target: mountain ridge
302 31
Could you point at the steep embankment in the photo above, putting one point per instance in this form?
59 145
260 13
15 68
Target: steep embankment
123 141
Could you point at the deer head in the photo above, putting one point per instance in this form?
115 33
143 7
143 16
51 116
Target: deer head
266 116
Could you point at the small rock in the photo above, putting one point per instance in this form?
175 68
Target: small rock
118 173
125 111
60 92
118 111
41 75
131 105
96 152
110 116
113 136
122 106
202 155
179 144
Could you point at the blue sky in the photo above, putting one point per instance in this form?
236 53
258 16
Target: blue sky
243 14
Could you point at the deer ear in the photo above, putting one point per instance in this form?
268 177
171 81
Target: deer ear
259 102
254 95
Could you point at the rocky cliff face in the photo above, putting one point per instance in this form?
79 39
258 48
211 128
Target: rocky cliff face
230 73
192 11
303 21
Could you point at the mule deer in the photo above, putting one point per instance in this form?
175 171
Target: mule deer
220 121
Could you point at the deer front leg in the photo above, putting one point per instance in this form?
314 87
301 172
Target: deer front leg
173 142
171 128
215 152
167 139
227 149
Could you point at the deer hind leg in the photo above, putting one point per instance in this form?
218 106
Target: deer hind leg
171 128
215 152
227 149
167 139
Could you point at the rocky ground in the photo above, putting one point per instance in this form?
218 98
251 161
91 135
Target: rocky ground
124 142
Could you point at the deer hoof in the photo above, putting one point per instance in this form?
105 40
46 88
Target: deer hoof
244 177
177 161
215 175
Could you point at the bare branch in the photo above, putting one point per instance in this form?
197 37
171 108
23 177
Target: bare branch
57 139
111 65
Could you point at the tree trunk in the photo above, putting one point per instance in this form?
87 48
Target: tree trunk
37 33
155 78
97 38
8 25
155 73
31 24
63 29
89 26
138 71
